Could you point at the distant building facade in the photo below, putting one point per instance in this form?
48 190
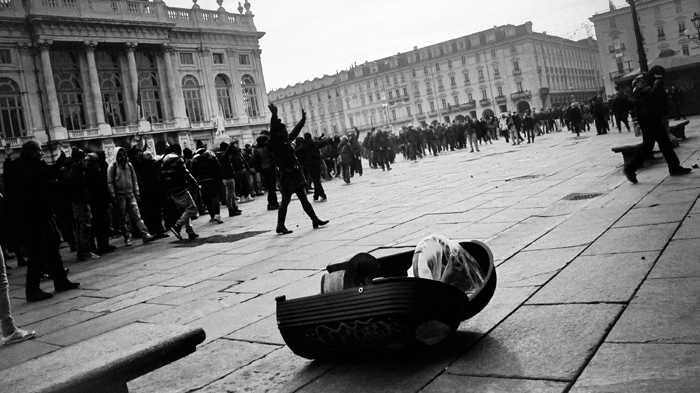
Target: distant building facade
662 24
507 68
94 73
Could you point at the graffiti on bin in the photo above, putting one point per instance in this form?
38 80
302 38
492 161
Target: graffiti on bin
360 332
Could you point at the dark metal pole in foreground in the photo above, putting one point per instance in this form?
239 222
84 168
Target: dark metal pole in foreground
643 66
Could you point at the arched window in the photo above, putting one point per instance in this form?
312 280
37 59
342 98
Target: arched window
69 90
250 98
193 99
11 113
223 96
149 86
111 87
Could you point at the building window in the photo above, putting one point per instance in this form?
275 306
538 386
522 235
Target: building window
425 70
413 72
679 6
186 58
5 56
193 98
456 99
217 58
398 94
449 64
416 90
519 85
444 103
223 96
371 99
681 28
388 80
11 112
362 100
368 84
337 93
493 53
379 97
244 60
496 72
250 96
453 82
391 95
660 32
420 109
376 82
516 66
483 95
613 24
469 97
466 78
393 114
481 74
111 87
396 79
69 90
432 106
478 57
500 90
403 77
437 67
686 50
150 87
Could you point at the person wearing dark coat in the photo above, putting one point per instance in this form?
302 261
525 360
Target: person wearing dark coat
176 179
152 195
265 165
227 174
312 161
30 180
96 175
240 173
291 179
651 105
346 157
207 172
620 107
79 194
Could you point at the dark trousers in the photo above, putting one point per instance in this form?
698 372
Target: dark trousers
653 131
315 175
43 251
346 172
269 178
287 197
151 207
622 119
242 185
210 195
100 224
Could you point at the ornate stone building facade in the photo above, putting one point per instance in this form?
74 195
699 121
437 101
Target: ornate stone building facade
502 69
662 24
94 73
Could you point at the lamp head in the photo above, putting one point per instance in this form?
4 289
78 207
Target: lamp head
696 20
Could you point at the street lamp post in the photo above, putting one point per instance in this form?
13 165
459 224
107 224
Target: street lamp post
643 66
696 23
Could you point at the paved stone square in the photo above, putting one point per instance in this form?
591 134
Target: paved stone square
594 294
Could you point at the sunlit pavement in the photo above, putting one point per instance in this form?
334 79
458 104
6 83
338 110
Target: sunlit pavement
598 278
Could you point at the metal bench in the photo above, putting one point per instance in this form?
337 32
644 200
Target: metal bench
105 363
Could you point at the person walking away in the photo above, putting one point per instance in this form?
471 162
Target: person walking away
382 145
265 164
346 157
79 191
575 118
313 161
152 195
503 126
529 127
357 149
512 129
227 174
470 130
651 105
30 181
620 106
292 181
240 173
176 179
124 191
207 172
96 176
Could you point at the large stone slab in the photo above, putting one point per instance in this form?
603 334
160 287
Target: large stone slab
663 311
200 308
642 368
191 293
505 300
655 214
263 331
270 281
129 299
666 195
61 321
597 278
230 319
457 383
581 228
540 342
12 355
280 371
209 363
41 314
534 268
632 239
690 227
679 260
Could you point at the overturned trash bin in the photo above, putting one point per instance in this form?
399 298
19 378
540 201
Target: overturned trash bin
397 301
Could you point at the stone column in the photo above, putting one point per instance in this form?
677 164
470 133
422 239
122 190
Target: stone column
236 91
177 103
32 101
262 93
104 128
134 78
56 130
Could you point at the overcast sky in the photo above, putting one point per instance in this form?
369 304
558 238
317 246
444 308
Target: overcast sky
309 38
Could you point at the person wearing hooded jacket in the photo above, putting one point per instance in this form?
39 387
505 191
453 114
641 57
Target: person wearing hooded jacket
124 190
176 179
651 105
288 168
207 172
264 163
79 192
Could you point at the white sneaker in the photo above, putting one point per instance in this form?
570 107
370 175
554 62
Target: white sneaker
17 336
